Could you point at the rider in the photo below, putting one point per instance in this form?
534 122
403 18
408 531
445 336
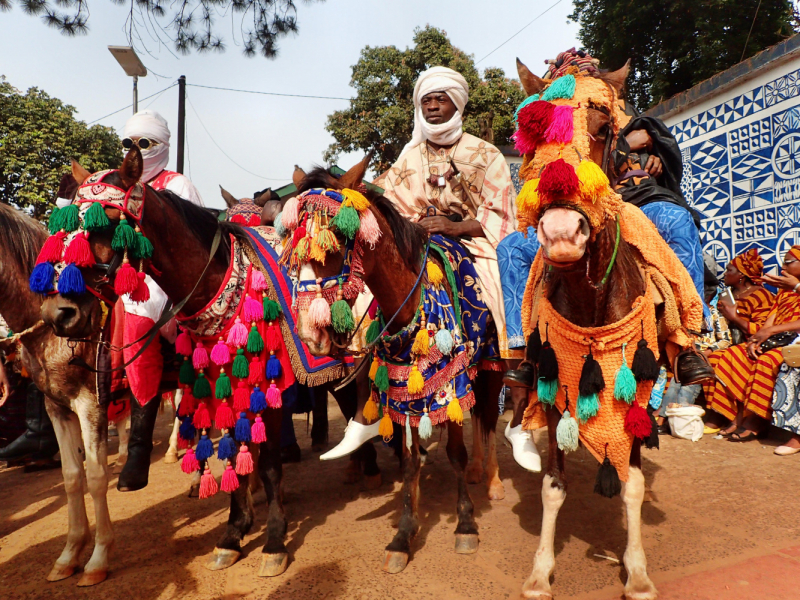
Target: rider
149 131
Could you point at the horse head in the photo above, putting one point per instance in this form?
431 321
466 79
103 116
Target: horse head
259 210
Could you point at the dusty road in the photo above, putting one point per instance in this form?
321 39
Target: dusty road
723 525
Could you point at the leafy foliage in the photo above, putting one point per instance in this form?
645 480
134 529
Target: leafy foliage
38 137
676 45
188 24
381 116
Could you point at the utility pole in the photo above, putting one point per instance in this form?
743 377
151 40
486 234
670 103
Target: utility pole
135 94
181 121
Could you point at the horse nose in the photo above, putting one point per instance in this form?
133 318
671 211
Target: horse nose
66 317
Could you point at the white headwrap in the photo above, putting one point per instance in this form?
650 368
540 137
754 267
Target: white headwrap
438 79
151 125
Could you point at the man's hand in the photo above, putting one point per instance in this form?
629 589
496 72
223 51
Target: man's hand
783 281
639 139
5 387
445 226
654 166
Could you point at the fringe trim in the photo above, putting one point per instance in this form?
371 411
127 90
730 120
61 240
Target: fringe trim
437 417
491 364
433 384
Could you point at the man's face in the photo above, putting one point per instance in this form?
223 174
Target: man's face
437 108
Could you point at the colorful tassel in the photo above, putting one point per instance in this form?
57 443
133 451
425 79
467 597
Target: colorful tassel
237 336
444 341
382 378
70 282
385 428
290 213
651 441
591 381
208 485
258 401
69 218
226 447
258 282
355 199
126 280
220 353
274 339
244 461
202 388
53 248
256 374
561 126
273 370
422 341
525 103
240 367
183 343
435 275
370 411
644 367
316 253
373 369
416 383
124 236
253 309
567 433
347 222
558 180
594 183
298 235
533 121
319 313
200 357
637 422
188 403
607 483
369 231
42 278
224 417
327 241
95 219
372 332
187 430
142 247
561 88
588 407
54 221
342 317
528 197
205 447
546 390
230 482
425 425
272 309
258 431
255 344
241 397
274 396
454 412
142 291
189 464
624 382
186 373
242 431
280 228
201 418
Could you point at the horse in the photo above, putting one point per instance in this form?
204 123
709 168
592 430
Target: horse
80 422
600 253
388 262
184 266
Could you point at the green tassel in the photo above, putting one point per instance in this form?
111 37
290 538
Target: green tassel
186 374
342 317
563 87
588 406
382 378
546 390
272 309
624 382
95 218
124 236
373 331
143 248
255 344
347 221
55 220
240 367
69 217
202 388
223 388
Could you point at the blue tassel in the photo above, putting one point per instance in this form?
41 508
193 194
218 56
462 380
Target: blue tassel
444 341
273 367
205 448
227 447
242 432
278 224
42 277
187 430
70 282
258 401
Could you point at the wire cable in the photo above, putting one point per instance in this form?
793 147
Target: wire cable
211 87
131 104
520 31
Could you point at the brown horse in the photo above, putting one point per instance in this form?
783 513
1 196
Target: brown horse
390 271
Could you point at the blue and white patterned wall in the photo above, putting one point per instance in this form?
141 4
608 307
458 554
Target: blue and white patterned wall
741 166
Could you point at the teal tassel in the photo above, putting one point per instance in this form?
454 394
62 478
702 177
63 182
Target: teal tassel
444 341
588 406
525 103
546 390
624 382
563 87
567 433
425 426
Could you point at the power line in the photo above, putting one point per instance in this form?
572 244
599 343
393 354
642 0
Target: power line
129 105
211 87
751 31
520 31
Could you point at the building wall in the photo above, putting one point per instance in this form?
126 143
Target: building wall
741 165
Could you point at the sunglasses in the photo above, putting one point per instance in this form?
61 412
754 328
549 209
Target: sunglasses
142 143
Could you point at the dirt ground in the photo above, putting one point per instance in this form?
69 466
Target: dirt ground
722 525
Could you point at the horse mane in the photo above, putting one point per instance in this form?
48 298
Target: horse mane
409 237
21 236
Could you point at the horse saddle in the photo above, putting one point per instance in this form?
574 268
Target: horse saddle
691 367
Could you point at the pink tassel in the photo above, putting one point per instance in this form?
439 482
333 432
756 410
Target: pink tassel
224 419
253 310
256 372
273 340
238 334
220 353
274 396
230 482
78 252
200 357
561 126
319 313
53 249
523 143
290 214
241 397
126 280
257 281
369 231
201 418
189 463
244 460
258 432
142 292
208 485
183 343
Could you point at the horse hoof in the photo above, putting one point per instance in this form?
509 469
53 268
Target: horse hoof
395 562
372 482
352 475
273 565
90 578
222 558
497 491
117 469
466 543
194 491
60 572
170 458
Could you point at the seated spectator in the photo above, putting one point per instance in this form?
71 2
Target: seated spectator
746 372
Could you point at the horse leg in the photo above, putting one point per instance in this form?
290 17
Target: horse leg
475 469
487 415
319 426
554 491
254 479
638 586
399 549
467 529
94 427
171 455
276 556
68 433
122 452
240 520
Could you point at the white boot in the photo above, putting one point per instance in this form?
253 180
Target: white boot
355 434
523 448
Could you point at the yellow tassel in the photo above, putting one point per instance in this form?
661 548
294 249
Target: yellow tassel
594 183
316 253
422 342
385 429
528 198
454 412
435 275
355 199
370 410
415 381
373 369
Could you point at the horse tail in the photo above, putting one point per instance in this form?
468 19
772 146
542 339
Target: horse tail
487 387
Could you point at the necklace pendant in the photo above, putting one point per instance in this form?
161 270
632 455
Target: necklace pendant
441 181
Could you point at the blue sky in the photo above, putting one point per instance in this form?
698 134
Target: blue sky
266 135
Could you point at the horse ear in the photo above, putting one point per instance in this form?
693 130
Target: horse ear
297 176
616 79
353 178
530 82
132 167
228 197
79 173
263 197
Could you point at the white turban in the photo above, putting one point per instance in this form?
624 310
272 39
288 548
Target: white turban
151 125
439 79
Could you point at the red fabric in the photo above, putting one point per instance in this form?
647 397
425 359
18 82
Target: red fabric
117 317
162 180
144 375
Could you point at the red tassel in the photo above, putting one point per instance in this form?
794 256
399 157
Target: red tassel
142 292
274 396
224 418
79 253
183 444
254 220
637 421
188 403
241 397
238 219
201 418
298 235
258 432
53 249
189 463
274 339
535 118
244 461
558 180
126 279
200 357
230 482
256 372
183 343
208 485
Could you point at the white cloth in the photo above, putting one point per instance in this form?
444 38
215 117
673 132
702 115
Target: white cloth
439 79
62 202
151 125
184 188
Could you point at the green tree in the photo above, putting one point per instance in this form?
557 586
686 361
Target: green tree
381 116
676 45
39 135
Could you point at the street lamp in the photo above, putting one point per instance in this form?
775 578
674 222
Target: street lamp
133 67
